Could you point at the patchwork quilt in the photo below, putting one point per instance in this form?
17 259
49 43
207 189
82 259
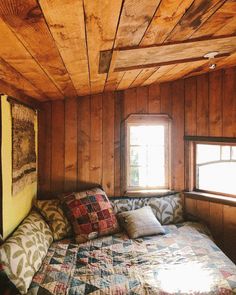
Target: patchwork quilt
183 261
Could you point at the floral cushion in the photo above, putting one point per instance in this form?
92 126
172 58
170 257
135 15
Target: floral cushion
52 212
91 214
22 254
167 209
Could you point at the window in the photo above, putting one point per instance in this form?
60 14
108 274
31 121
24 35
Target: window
215 168
147 158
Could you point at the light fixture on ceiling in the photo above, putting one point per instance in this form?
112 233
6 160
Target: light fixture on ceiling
211 57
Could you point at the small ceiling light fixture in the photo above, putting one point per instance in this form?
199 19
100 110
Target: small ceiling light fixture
211 57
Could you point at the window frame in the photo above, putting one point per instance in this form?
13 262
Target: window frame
147 119
191 182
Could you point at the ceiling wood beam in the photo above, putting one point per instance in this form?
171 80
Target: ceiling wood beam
126 59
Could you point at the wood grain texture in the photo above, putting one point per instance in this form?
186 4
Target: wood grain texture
71 145
12 77
95 174
56 45
58 147
70 38
179 52
215 103
194 17
16 55
154 99
135 18
108 120
25 18
99 128
177 144
84 135
45 149
100 36
190 106
202 105
165 19
229 102
219 20
220 219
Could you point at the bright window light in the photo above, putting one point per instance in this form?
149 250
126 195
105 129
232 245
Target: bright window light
147 155
216 168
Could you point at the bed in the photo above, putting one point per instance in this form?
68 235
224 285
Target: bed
185 260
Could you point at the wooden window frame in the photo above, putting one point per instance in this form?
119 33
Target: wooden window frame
190 171
147 119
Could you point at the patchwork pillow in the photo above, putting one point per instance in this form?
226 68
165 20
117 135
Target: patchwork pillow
22 254
141 222
90 214
52 212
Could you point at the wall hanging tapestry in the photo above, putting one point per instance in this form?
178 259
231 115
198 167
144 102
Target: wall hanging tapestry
23 147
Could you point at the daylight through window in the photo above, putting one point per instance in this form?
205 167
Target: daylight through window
216 168
147 152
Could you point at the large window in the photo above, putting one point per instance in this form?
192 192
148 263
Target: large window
147 152
215 168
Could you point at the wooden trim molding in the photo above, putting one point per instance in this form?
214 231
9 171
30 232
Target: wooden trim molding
211 197
210 139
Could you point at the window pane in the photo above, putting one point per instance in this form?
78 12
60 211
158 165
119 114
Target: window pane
134 176
138 155
156 176
147 135
233 152
225 152
218 177
207 153
156 156
138 176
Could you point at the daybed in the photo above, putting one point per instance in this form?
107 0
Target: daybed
184 260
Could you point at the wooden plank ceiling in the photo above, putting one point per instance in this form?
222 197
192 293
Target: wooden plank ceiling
53 49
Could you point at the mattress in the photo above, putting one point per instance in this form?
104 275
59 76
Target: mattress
184 260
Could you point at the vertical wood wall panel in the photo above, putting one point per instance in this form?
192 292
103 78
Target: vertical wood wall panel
71 143
96 139
154 99
177 135
215 103
229 103
84 122
190 106
108 143
142 100
81 139
44 148
58 146
202 116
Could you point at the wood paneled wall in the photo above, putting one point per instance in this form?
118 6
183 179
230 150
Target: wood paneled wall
220 219
80 138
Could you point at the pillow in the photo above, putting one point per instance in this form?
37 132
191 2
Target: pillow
52 212
140 222
22 254
90 214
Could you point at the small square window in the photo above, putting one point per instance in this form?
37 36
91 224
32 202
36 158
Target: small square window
147 153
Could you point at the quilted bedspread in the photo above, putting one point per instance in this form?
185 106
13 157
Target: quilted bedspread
183 261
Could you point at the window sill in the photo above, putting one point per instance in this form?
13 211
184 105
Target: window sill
148 193
211 197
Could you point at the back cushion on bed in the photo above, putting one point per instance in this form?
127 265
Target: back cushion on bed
22 254
91 214
167 209
55 217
